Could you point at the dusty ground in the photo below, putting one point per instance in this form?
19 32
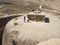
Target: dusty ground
20 6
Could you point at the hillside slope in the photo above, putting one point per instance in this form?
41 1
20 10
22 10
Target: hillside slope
21 6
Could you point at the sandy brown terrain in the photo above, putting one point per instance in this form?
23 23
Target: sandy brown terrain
23 6
19 6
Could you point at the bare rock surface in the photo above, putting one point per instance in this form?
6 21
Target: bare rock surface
53 41
31 33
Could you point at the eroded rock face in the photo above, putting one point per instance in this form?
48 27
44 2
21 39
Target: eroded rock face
30 33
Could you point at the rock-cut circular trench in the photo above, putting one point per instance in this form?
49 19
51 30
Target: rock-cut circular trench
18 32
